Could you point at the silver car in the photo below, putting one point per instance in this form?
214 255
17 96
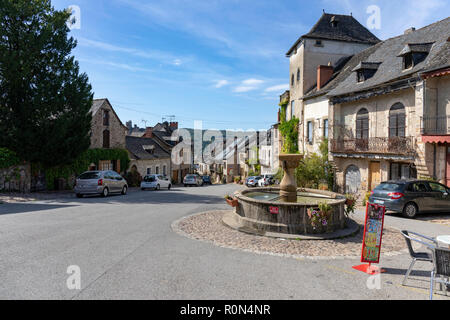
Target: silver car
193 180
155 182
100 182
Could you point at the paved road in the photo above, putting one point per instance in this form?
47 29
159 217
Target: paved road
126 249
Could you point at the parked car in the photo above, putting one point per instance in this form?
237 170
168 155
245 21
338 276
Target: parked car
207 180
155 182
100 182
192 180
411 197
252 181
266 180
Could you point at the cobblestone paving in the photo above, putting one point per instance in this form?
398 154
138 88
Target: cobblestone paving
208 227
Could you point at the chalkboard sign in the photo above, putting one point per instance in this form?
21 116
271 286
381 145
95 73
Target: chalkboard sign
373 233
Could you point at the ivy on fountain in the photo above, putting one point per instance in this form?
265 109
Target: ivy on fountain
288 130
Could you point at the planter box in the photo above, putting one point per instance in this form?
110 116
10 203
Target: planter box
233 203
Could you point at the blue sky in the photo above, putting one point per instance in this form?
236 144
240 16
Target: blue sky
222 62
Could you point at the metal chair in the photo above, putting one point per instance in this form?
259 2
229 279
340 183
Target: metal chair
418 256
441 268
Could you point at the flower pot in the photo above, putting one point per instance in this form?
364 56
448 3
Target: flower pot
232 202
349 202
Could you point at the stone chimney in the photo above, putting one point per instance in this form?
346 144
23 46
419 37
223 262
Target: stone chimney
148 133
324 74
174 125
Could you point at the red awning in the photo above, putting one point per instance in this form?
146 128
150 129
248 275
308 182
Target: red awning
436 139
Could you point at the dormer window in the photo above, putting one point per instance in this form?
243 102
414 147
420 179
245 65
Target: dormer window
366 70
334 22
150 149
414 53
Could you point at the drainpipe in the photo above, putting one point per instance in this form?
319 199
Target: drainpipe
434 160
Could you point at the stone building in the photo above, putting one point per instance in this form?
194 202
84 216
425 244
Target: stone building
313 59
107 132
389 111
148 156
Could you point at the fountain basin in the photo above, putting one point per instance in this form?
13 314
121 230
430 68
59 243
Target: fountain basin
261 211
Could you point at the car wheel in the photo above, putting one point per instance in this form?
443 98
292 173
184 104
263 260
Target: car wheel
158 188
105 193
124 190
170 186
410 210
79 195
185 185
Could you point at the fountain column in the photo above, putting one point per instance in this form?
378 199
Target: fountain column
288 186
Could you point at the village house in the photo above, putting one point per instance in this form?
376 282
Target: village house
107 132
314 58
148 157
389 111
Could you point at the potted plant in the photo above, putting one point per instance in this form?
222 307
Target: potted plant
233 202
320 217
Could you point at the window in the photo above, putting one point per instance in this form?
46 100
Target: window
408 61
402 171
105 117
362 124
164 170
397 121
149 171
309 133
418 187
318 43
157 170
106 139
292 80
292 109
436 187
360 75
298 75
325 128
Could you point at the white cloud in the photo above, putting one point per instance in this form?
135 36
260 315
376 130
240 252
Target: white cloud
221 83
248 85
280 87
147 54
252 82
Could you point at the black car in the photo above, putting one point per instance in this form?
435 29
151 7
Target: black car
411 197
207 180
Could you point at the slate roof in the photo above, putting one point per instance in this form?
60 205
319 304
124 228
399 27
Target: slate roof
391 67
135 146
343 69
347 29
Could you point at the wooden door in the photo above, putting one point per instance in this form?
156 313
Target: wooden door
374 175
448 165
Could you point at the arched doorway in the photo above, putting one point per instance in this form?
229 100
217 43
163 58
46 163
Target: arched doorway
352 179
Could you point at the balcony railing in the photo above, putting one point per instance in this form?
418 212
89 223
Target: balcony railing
394 145
435 125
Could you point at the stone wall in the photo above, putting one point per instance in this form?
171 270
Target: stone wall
143 165
117 130
16 179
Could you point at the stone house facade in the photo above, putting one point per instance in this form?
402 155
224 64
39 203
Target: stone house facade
389 112
312 60
107 132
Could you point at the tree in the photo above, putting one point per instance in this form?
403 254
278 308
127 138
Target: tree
44 100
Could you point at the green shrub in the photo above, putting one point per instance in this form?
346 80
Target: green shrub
8 158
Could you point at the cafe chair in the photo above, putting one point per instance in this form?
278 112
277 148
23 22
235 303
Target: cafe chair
418 256
441 268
